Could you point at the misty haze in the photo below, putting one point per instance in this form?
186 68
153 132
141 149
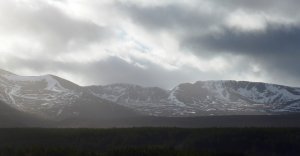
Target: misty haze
142 77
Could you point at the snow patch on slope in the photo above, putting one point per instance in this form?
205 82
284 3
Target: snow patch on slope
37 94
173 99
218 88
52 84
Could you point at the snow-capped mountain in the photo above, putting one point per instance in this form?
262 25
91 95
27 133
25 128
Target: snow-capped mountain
52 97
239 96
204 98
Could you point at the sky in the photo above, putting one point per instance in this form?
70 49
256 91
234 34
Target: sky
152 42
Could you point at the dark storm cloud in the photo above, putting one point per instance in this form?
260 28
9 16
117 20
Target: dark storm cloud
169 17
274 40
274 6
276 48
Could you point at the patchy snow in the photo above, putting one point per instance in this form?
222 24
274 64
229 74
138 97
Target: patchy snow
38 94
113 98
52 84
220 97
218 88
59 112
172 97
271 94
12 93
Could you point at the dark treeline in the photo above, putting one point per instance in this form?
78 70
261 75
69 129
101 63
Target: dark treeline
150 141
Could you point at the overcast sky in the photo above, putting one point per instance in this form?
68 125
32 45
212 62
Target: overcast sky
152 42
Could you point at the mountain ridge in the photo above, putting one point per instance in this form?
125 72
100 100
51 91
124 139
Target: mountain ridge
53 97
249 94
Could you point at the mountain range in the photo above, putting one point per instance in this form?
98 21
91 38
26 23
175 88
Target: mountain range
49 97
204 98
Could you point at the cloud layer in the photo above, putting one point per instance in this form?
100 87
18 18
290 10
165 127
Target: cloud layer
152 43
